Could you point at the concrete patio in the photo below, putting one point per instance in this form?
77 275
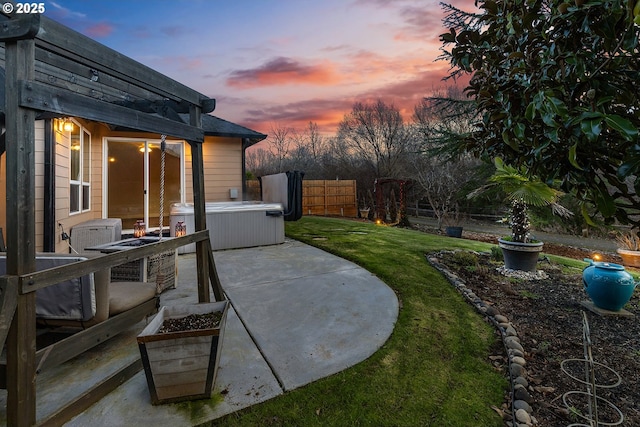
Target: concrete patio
297 314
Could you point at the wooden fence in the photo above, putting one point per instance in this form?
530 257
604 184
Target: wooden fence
322 197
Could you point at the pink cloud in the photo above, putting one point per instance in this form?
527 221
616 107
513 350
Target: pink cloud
283 71
419 24
100 29
326 113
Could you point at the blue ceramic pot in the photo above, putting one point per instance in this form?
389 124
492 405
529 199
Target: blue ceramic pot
608 285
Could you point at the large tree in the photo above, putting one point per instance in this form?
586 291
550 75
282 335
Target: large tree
376 133
557 86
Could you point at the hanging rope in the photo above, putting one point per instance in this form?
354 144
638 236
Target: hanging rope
163 146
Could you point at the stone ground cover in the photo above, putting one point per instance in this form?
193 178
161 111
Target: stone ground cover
547 315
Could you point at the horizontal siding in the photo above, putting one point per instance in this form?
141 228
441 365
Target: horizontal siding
222 158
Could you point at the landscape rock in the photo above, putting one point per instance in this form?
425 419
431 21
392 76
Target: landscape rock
523 416
521 404
519 360
501 319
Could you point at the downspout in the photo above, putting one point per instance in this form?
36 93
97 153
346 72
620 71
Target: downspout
49 220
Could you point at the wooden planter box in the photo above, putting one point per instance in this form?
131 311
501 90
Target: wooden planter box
181 365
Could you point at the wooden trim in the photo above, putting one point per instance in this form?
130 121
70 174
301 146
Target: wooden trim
39 96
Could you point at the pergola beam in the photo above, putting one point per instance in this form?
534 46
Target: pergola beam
65 42
39 96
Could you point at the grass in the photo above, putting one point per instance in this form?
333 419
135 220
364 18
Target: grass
433 370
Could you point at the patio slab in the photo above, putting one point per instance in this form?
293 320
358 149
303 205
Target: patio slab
297 314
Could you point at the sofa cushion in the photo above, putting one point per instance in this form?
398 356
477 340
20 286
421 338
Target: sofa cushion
71 300
124 296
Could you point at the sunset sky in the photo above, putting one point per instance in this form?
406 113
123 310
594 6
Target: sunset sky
277 62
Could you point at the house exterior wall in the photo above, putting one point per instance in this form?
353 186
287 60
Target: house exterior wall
222 169
222 165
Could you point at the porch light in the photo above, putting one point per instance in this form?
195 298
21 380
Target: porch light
181 229
67 125
139 229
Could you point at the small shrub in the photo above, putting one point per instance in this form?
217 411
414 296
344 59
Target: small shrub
629 241
496 254
464 258
528 294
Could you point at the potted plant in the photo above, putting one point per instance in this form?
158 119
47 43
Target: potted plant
629 248
364 209
453 220
180 351
520 250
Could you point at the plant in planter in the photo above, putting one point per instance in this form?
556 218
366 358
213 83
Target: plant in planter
519 250
629 248
363 209
180 351
453 220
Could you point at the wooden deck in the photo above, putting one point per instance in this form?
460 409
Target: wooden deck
68 389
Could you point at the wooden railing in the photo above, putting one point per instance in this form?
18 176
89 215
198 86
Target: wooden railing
59 352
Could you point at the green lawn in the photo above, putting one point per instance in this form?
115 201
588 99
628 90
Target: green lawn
433 370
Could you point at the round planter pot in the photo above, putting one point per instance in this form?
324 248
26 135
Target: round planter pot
520 256
453 231
629 258
608 285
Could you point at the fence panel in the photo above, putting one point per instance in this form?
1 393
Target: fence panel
322 197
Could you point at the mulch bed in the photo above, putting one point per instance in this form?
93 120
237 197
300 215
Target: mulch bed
548 317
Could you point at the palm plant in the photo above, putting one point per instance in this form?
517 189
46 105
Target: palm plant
522 191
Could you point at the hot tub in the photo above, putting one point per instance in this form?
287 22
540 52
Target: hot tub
233 225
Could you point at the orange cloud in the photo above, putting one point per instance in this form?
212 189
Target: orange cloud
283 71
328 112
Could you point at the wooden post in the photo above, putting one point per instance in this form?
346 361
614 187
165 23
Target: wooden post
200 216
20 131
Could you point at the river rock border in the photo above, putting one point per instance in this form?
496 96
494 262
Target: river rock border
521 400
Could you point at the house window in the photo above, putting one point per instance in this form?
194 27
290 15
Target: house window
80 168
